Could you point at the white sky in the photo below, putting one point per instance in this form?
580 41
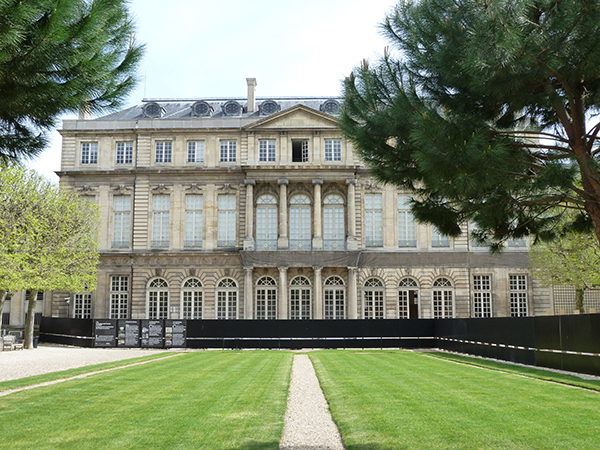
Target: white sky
207 48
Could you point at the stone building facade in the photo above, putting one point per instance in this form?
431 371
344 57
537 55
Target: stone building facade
257 208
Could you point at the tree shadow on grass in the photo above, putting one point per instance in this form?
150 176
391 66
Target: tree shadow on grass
272 445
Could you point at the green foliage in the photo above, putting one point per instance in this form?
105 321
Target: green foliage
481 109
58 56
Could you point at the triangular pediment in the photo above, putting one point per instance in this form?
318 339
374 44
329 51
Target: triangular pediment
299 116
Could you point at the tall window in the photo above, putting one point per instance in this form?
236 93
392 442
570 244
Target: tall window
334 295
266 298
227 224
406 223
408 299
266 150
443 299
333 150
482 296
121 221
373 220
227 299
518 295
124 153
438 239
299 150
119 297
163 152
82 305
373 298
158 299
193 220
195 151
266 223
160 221
300 231
228 151
89 153
192 296
300 297
333 223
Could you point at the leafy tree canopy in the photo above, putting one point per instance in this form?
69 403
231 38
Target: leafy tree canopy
487 111
55 57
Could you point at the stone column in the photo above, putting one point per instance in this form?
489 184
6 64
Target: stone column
352 242
317 243
352 293
283 241
249 239
248 294
283 294
318 294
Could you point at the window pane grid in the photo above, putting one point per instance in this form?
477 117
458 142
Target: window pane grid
192 304
163 152
89 153
160 221
119 297
300 228
228 151
482 296
227 221
518 295
266 151
124 153
195 152
83 306
193 220
121 221
333 150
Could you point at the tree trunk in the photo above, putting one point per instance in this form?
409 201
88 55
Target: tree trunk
3 295
579 300
30 322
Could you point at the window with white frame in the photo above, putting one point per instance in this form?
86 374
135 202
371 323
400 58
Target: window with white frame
119 297
266 223
373 299
408 299
195 151
124 153
300 223
158 299
192 298
266 298
160 220
228 151
299 150
163 152
266 150
193 220
227 299
89 153
373 220
334 298
516 242
438 239
82 305
227 221
121 221
333 149
443 299
333 223
300 298
518 295
482 296
406 223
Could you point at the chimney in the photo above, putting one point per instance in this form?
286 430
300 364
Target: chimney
251 94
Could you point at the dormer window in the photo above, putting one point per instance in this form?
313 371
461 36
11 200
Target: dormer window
202 109
152 110
269 107
330 107
232 108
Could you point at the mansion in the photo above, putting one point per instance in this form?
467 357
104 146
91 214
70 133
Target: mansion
258 208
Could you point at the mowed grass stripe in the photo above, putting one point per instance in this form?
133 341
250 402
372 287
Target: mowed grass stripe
386 400
199 400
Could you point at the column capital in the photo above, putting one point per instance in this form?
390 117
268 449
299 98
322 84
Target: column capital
283 268
351 181
317 268
283 181
317 181
248 181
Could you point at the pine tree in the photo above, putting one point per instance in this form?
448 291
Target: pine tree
485 110
56 57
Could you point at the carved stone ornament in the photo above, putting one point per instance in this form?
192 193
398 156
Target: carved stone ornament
86 189
228 187
194 187
122 189
161 188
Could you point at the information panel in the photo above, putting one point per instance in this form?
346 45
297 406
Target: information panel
105 332
129 333
153 333
175 333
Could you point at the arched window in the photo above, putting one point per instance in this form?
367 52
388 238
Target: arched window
158 299
192 299
408 299
334 298
300 232
227 299
266 223
443 298
300 298
333 223
373 299
266 298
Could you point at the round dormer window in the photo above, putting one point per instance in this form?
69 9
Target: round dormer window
152 110
201 109
232 108
330 107
269 107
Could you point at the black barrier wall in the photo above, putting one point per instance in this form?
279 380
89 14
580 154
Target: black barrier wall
563 342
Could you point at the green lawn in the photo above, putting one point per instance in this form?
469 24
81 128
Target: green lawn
198 400
391 400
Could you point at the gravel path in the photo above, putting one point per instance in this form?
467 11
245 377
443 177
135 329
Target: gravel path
308 422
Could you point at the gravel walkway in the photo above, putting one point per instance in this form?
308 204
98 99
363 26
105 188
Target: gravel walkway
308 422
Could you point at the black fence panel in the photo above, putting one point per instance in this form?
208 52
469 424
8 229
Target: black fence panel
67 331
